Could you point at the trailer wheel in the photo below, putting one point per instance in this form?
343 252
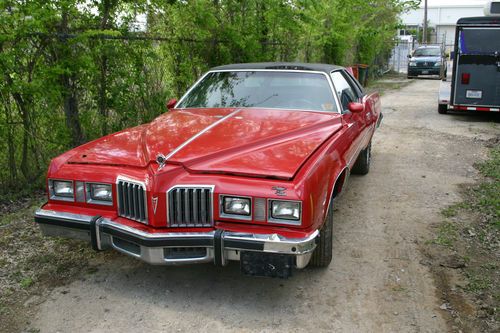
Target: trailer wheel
442 109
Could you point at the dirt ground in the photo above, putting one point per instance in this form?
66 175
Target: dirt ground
377 281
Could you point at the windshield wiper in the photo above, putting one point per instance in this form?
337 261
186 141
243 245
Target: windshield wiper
265 100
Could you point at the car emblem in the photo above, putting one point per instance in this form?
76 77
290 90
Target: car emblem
161 160
425 64
154 201
281 191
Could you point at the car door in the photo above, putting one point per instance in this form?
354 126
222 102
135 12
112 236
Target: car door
355 123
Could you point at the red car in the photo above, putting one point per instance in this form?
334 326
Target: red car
244 167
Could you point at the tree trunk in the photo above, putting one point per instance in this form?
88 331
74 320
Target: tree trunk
68 83
71 110
11 149
106 8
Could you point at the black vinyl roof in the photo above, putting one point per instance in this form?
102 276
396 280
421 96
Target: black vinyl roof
280 65
479 20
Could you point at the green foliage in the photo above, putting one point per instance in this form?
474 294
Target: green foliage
491 168
74 70
447 234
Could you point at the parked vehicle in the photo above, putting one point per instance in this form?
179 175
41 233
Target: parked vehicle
475 83
244 167
427 60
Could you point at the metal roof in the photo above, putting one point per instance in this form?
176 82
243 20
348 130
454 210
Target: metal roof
479 20
280 65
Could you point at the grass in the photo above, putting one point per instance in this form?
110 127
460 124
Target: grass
471 230
26 282
484 198
34 263
446 235
388 82
477 282
453 210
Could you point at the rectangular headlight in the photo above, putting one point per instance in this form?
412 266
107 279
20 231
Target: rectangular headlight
61 190
238 207
284 211
99 194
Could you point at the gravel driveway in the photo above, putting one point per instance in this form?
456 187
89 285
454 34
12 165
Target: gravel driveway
376 282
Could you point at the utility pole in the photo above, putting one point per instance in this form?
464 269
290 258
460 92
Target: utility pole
424 37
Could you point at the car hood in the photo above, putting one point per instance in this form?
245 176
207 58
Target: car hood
425 59
254 142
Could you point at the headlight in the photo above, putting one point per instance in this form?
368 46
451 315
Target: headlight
236 206
61 190
437 64
99 194
413 64
285 211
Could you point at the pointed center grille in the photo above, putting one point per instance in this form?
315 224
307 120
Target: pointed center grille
132 201
190 206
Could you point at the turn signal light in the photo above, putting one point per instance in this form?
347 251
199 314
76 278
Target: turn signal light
465 78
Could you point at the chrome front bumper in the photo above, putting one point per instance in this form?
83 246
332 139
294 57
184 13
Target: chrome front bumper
172 248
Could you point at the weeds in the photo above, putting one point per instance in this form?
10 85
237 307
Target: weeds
447 234
473 233
477 282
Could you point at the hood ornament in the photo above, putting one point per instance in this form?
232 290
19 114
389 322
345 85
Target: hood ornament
155 204
161 160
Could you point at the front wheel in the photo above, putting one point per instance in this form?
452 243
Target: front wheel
323 253
362 165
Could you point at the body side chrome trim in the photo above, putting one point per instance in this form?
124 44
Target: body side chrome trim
360 147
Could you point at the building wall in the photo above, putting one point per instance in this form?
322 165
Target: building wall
443 19
446 34
443 15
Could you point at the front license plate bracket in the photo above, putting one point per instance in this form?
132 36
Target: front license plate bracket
266 264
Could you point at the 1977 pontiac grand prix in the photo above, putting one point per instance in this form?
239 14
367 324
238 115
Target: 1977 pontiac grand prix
244 167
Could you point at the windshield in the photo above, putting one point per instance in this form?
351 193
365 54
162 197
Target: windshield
265 89
427 52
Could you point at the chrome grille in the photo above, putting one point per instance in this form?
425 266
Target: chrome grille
132 201
426 64
190 206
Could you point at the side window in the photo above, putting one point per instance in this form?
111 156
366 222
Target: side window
344 90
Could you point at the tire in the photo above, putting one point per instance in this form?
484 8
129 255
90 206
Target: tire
362 165
323 253
442 109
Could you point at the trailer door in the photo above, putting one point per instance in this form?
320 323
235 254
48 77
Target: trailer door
477 79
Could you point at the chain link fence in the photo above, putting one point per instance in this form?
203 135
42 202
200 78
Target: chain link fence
398 61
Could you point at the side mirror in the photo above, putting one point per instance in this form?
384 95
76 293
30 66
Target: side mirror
355 107
409 56
171 103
